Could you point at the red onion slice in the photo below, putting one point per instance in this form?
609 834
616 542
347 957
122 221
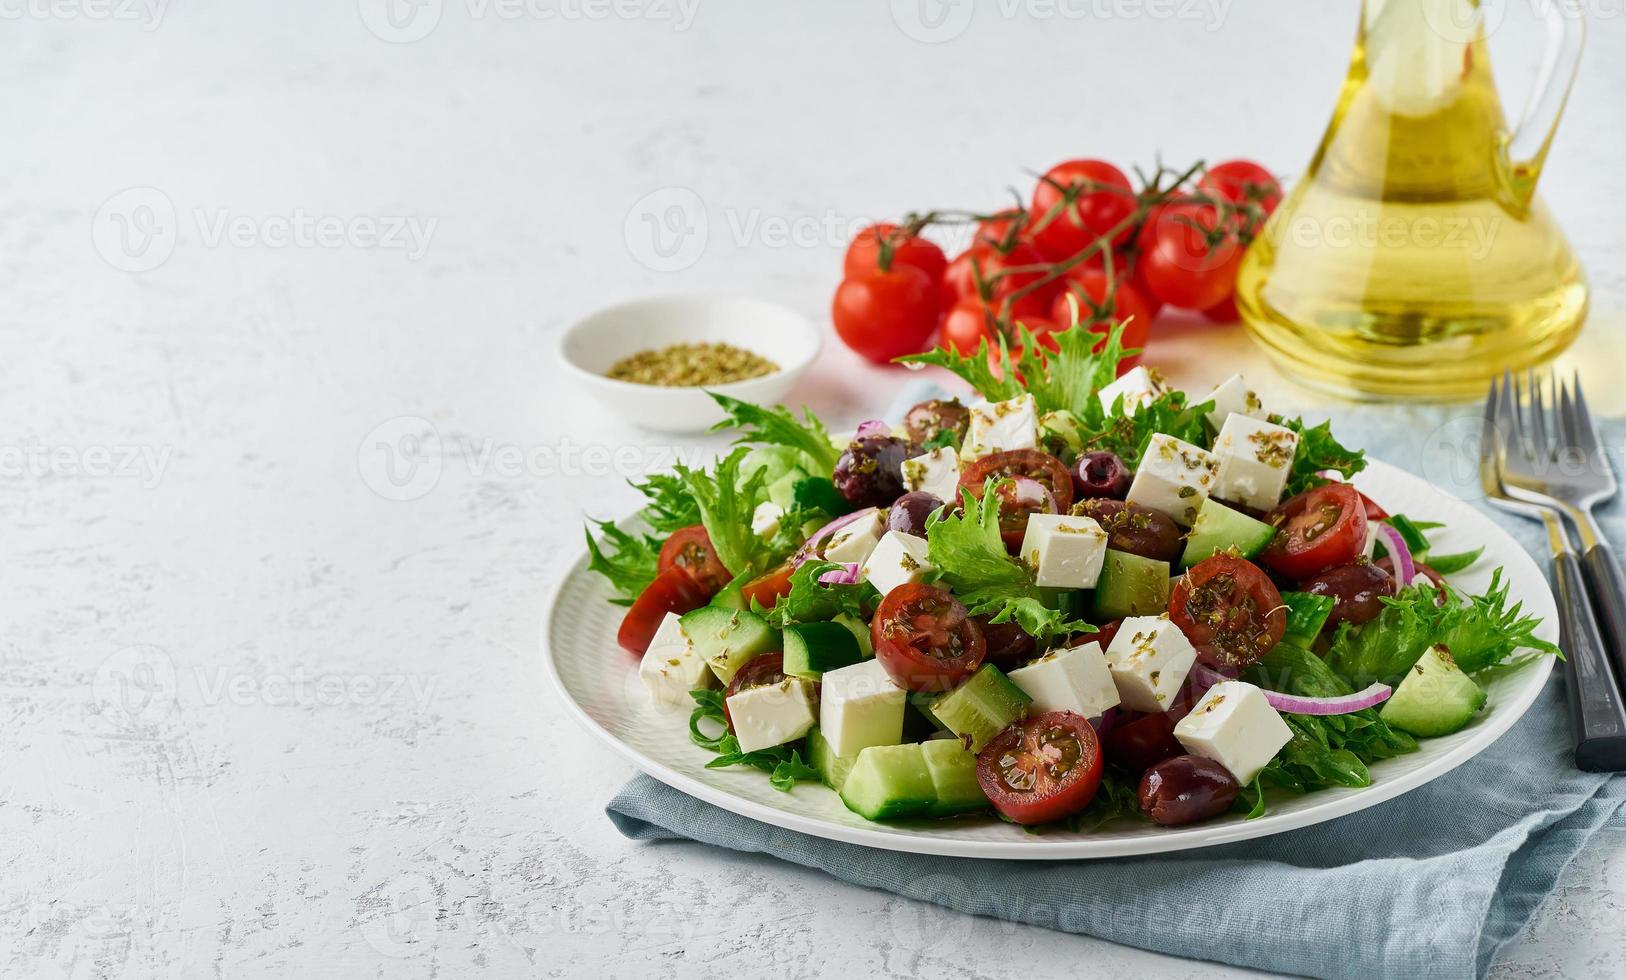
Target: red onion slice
806 551
1207 677
1395 542
872 427
847 574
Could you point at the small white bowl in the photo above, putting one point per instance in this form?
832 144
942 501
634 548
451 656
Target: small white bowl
592 345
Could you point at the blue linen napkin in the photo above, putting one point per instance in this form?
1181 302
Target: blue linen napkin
1432 884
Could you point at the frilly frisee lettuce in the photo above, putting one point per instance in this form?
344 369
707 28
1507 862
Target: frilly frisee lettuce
784 765
972 561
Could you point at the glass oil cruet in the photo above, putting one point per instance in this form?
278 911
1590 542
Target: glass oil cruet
1414 260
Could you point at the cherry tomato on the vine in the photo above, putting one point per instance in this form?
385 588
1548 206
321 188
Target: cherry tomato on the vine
1243 182
1193 257
883 315
1106 200
863 255
960 281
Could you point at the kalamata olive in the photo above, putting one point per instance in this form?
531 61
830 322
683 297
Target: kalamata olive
1008 644
1357 591
1133 528
1100 475
909 512
870 472
1388 564
1137 744
926 420
1185 789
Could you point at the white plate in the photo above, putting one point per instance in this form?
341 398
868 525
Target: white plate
600 683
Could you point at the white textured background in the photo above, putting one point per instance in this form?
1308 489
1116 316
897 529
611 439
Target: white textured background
277 512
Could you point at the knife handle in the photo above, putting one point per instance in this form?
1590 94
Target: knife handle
1609 598
1595 700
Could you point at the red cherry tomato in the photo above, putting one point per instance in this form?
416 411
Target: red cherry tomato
673 591
1374 512
968 323
993 267
762 670
1128 307
1316 530
1230 611
925 639
1008 644
768 588
1181 267
863 255
1226 312
1041 769
1244 182
690 549
883 315
1003 232
1104 635
1138 744
1047 470
1093 214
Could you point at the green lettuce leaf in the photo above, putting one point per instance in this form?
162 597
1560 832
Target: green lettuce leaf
726 502
776 426
809 602
783 764
1319 451
1064 379
628 561
669 506
971 558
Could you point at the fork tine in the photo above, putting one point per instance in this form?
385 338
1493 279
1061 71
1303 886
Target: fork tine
1584 429
1538 416
1490 441
1512 415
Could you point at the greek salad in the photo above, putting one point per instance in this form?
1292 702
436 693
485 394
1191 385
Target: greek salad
1080 596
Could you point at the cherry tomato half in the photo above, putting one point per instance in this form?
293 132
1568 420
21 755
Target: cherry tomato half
1096 211
769 587
690 549
673 591
925 639
863 255
1182 267
1230 611
1041 769
1048 471
883 315
1316 530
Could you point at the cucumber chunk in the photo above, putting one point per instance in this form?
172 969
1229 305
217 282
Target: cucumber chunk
980 708
954 777
832 768
1131 586
727 638
889 781
1435 697
1219 528
860 632
813 648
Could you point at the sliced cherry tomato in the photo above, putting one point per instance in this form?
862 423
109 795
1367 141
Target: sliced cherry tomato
1316 530
1014 510
762 670
1230 611
1137 744
1373 511
991 266
1008 645
673 591
1182 267
1041 769
1104 634
883 315
925 639
769 587
690 549
863 255
1106 199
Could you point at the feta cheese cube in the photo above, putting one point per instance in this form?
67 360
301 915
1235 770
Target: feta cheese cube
670 668
860 706
1149 660
1065 552
1174 477
772 714
1140 386
899 559
1236 727
1074 679
1233 397
997 427
854 542
765 519
936 473
1255 459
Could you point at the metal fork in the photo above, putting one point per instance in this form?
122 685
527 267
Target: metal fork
1506 462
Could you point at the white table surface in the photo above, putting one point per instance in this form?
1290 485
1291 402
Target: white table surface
256 719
